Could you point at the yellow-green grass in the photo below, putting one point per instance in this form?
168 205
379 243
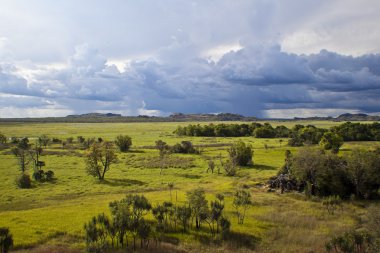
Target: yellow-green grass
37 214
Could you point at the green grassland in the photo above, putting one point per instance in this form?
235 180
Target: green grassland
50 212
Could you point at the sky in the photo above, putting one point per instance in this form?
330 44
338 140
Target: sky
264 58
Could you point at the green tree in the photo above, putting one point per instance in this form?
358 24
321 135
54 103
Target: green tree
43 140
99 158
242 201
123 142
163 150
331 141
198 204
241 153
363 169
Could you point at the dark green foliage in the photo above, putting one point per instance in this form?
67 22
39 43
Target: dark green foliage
363 169
23 181
358 132
185 147
331 141
123 142
326 174
241 153
233 130
305 135
6 240
42 176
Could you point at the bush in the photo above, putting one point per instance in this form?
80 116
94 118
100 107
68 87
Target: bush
23 181
241 154
123 142
42 176
6 240
3 138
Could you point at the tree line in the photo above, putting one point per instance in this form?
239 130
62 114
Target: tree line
320 173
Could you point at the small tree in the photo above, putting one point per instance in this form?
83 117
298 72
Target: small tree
163 150
43 140
211 166
241 153
198 204
331 141
123 142
242 201
183 214
99 158
6 240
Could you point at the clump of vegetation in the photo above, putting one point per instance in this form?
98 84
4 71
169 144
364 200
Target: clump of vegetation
123 142
326 174
6 240
241 154
3 138
353 241
185 147
332 203
331 141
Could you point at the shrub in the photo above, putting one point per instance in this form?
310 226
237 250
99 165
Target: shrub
241 154
123 142
3 138
23 181
6 240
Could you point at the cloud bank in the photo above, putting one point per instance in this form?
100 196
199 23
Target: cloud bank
187 57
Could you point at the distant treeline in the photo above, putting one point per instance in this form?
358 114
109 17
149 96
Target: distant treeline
299 134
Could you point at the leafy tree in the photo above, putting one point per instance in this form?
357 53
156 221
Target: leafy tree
331 141
96 234
123 142
363 168
242 201
99 159
43 140
241 153
23 158
183 214
306 165
6 240
198 204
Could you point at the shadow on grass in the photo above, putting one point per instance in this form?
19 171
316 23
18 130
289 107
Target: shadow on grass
136 151
190 176
233 240
263 167
122 182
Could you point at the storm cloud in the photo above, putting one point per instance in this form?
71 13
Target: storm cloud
160 57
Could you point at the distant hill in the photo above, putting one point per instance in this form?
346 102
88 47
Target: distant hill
357 117
178 117
94 115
